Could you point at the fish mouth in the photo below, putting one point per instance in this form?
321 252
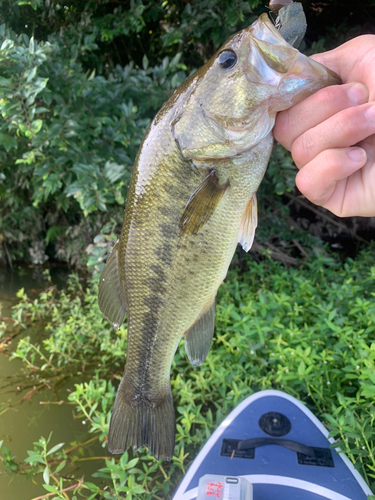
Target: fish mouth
306 77
293 75
307 70
274 62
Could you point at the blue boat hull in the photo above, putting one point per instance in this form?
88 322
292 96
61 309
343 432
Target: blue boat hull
276 472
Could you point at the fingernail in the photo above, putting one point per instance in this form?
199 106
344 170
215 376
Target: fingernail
370 114
358 93
357 154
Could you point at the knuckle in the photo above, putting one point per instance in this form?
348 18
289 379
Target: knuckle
305 183
342 128
330 97
301 149
330 161
347 125
282 128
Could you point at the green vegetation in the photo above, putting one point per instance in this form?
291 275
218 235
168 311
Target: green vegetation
79 84
308 331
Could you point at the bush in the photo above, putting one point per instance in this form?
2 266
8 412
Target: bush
72 135
77 97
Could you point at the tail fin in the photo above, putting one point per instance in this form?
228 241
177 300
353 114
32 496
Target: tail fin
138 421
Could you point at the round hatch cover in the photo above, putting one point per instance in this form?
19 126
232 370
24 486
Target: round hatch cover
275 424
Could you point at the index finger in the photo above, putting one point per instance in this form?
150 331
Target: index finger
317 108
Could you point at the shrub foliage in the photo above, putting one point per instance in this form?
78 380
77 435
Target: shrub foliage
79 84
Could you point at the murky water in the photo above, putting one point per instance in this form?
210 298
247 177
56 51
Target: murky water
30 420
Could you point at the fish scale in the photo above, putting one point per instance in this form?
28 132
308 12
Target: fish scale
190 200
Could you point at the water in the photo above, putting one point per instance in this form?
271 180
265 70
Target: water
30 420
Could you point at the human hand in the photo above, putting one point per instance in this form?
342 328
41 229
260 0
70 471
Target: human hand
331 134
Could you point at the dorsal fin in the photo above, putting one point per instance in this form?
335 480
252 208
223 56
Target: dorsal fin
199 336
248 224
111 296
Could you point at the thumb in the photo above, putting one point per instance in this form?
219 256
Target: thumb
332 59
352 60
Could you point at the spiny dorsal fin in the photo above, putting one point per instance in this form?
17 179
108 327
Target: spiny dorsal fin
248 225
202 204
111 297
199 336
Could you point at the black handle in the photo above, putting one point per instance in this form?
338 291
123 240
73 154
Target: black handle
286 443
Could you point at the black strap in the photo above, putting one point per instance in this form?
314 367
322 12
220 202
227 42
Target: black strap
286 443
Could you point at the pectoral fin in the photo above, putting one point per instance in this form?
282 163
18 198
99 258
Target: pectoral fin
248 225
199 337
202 204
111 297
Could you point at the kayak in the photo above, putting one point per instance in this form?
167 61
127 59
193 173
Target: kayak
271 447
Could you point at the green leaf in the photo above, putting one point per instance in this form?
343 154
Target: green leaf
50 488
32 73
32 45
41 109
330 419
8 142
33 3
4 82
145 62
92 487
54 232
46 475
301 368
55 448
132 463
36 125
60 466
33 456
7 44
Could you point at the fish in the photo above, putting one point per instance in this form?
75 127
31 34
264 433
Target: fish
191 199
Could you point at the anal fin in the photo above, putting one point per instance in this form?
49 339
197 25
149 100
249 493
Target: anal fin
111 297
199 336
248 224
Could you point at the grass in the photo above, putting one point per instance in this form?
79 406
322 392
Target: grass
308 331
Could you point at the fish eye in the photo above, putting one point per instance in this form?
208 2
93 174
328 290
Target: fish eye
227 59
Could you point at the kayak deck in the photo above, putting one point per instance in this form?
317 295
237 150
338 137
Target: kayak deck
288 456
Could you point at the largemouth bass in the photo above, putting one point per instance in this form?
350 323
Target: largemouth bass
190 200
